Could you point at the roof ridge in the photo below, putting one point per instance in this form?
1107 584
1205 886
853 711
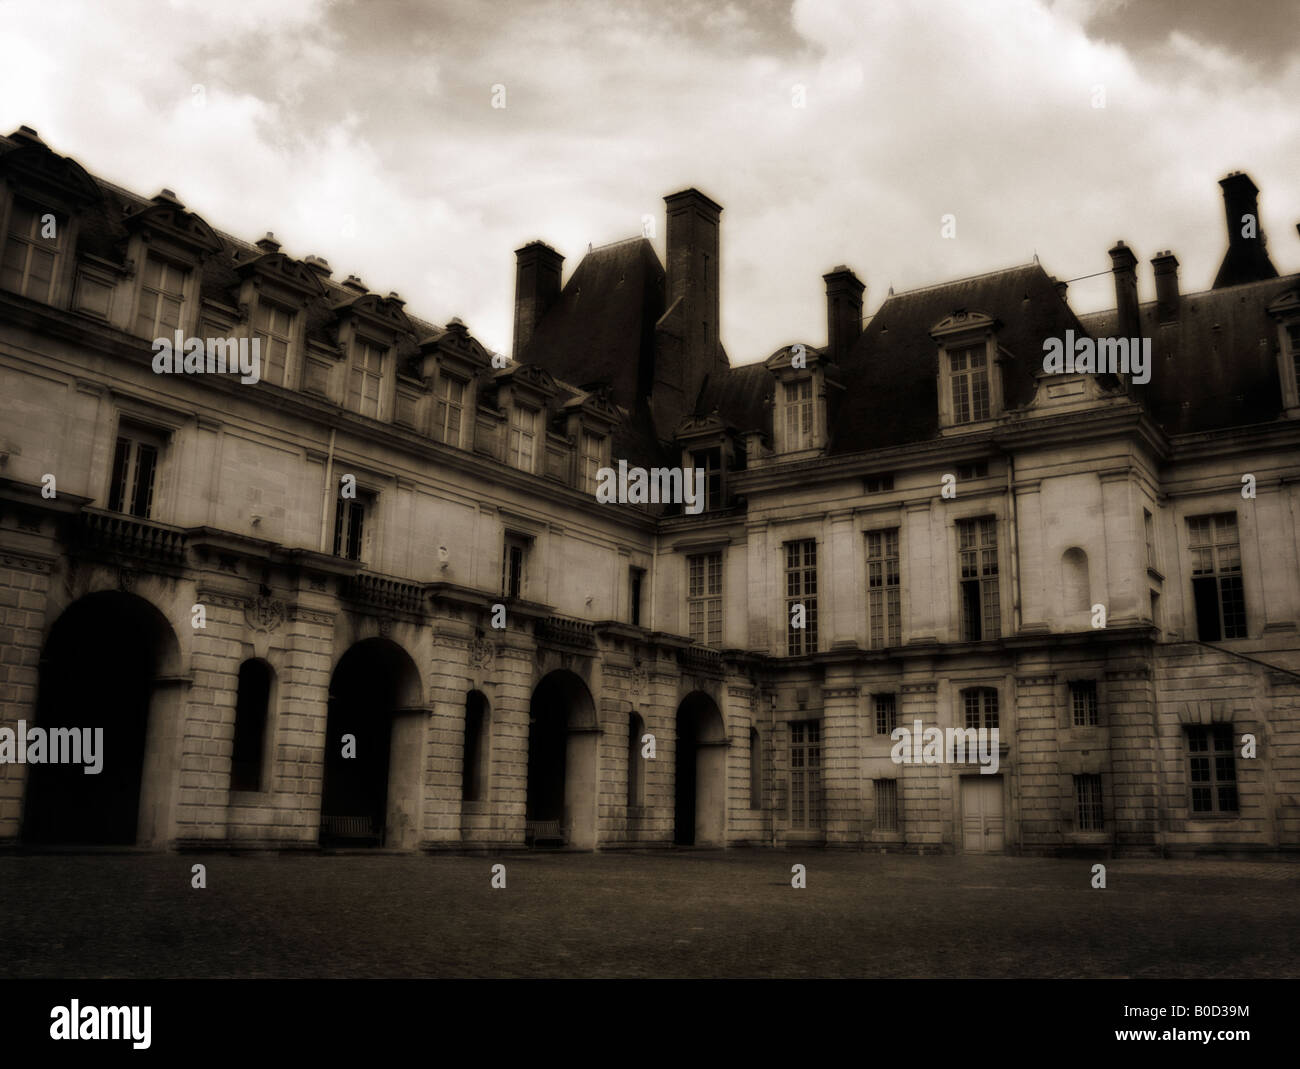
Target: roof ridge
958 281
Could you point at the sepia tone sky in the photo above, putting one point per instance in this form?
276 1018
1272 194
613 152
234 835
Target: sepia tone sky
364 132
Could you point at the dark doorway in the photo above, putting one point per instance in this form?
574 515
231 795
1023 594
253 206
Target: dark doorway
365 690
700 773
99 669
562 732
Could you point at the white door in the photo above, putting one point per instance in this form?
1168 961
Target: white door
981 814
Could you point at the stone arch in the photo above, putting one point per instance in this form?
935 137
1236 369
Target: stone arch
563 732
111 668
373 796
701 773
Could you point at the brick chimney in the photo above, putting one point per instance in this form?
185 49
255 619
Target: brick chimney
843 312
1166 271
537 286
1123 265
687 350
1247 258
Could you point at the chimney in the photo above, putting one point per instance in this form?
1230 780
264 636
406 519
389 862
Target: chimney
687 348
354 284
843 312
27 135
537 287
1246 259
1123 265
1166 270
319 264
268 244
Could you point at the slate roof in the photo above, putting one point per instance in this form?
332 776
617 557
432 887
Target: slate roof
1215 364
601 328
890 376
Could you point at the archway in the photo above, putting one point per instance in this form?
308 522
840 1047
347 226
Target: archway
99 674
700 791
371 792
562 736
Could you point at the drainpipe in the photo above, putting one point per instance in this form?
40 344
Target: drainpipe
325 493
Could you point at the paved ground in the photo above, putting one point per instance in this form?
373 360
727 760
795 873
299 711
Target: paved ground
616 914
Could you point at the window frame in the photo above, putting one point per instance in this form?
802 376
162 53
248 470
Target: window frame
702 596
270 336
355 398
518 433
805 751
803 641
1212 753
1223 578
887 595
989 584
33 245
186 271
138 437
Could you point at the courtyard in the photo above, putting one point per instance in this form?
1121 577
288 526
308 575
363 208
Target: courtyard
664 914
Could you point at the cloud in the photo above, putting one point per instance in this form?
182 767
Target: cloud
366 133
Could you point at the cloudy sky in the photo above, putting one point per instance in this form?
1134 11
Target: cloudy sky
365 132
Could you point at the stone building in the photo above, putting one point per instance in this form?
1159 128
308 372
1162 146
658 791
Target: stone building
372 598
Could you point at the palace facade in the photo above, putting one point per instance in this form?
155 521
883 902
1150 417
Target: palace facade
371 598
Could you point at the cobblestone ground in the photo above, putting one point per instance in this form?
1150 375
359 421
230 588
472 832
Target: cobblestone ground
688 914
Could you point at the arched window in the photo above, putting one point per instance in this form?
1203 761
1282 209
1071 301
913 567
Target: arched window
474 767
635 762
1075 589
251 705
755 770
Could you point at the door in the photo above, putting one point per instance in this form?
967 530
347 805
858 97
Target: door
981 810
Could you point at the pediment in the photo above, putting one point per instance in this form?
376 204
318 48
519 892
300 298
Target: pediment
962 321
285 270
1286 305
173 221
35 169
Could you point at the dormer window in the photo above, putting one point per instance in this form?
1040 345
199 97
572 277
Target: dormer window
31 261
451 407
161 311
522 452
799 415
710 461
365 384
275 329
1285 311
969 376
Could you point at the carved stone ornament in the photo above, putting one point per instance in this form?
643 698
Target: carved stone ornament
481 652
263 613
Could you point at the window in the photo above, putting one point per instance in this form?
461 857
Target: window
704 598
1087 798
1217 591
1293 344
978 469
878 484
884 611
968 370
135 471
799 415
637 578
711 461
977 556
275 329
805 774
886 713
981 707
350 530
1211 768
31 262
514 557
251 704
1155 608
1083 703
367 377
523 437
591 459
755 770
162 299
635 762
1149 529
451 406
801 589
886 795
474 759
